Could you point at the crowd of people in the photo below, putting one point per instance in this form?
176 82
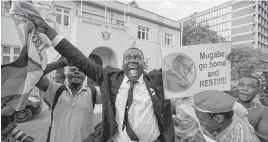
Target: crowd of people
133 104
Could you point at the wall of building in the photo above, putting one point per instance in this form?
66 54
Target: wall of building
9 34
246 28
249 22
89 31
241 4
89 36
242 21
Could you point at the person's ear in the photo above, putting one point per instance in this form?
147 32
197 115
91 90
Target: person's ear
219 118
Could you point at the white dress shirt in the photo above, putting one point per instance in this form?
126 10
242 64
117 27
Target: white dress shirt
141 114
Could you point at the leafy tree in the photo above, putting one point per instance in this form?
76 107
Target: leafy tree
246 59
197 34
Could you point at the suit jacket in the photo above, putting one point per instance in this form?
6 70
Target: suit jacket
109 79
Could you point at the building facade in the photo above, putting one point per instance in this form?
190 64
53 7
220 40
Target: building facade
244 23
241 22
103 30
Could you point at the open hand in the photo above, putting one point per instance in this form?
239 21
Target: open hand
40 25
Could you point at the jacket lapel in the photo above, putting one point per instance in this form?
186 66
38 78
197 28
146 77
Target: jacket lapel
151 87
115 85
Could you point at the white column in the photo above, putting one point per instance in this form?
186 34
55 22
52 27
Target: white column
124 13
128 10
105 11
181 31
81 8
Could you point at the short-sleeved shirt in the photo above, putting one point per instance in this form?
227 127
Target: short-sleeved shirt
73 114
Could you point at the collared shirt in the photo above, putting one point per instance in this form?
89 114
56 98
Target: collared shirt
186 122
73 114
238 131
185 114
141 114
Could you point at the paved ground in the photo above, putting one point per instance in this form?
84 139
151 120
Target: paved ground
37 127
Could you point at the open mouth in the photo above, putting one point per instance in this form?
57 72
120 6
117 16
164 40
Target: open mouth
76 77
133 71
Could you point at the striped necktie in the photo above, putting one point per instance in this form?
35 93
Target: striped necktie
130 131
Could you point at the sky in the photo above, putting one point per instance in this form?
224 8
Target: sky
176 9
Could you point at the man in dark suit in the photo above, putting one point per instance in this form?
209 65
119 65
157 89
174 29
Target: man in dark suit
134 108
98 61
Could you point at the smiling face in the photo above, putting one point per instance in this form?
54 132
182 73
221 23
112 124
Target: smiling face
247 89
133 64
75 76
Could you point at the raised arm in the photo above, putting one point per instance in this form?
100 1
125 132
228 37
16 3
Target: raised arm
67 50
44 82
55 65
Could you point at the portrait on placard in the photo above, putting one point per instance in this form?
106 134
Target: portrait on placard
179 72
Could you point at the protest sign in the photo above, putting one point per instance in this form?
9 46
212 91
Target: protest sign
190 69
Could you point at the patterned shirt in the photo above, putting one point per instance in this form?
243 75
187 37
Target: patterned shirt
238 131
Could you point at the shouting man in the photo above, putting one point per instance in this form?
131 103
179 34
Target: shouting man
247 89
134 108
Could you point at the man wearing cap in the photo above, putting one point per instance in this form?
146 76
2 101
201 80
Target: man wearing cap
214 110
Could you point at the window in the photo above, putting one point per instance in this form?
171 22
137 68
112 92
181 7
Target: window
119 22
10 54
5 7
168 39
229 24
223 26
143 33
226 25
63 16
